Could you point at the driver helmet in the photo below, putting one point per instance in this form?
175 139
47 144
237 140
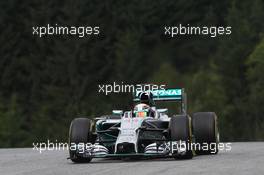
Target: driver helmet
141 110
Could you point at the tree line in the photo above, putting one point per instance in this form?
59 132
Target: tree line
48 81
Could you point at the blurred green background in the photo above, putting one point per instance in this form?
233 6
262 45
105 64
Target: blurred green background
46 82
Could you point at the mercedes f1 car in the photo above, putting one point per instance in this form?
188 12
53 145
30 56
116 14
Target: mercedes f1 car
145 131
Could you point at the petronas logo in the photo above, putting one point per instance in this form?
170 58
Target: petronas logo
168 92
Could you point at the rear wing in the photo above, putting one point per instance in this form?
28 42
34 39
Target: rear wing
177 95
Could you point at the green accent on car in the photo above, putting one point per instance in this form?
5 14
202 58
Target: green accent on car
109 139
163 94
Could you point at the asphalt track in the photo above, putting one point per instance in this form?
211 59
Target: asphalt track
244 158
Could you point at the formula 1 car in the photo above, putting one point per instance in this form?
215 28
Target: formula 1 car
145 131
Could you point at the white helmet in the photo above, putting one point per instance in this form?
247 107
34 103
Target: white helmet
141 110
141 107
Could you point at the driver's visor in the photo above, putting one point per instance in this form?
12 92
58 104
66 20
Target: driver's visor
141 114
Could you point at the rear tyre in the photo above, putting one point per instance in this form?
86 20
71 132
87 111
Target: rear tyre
80 133
180 130
205 132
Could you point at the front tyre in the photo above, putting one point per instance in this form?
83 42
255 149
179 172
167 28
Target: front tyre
80 133
180 130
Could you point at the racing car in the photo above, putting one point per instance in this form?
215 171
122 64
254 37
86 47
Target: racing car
145 131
